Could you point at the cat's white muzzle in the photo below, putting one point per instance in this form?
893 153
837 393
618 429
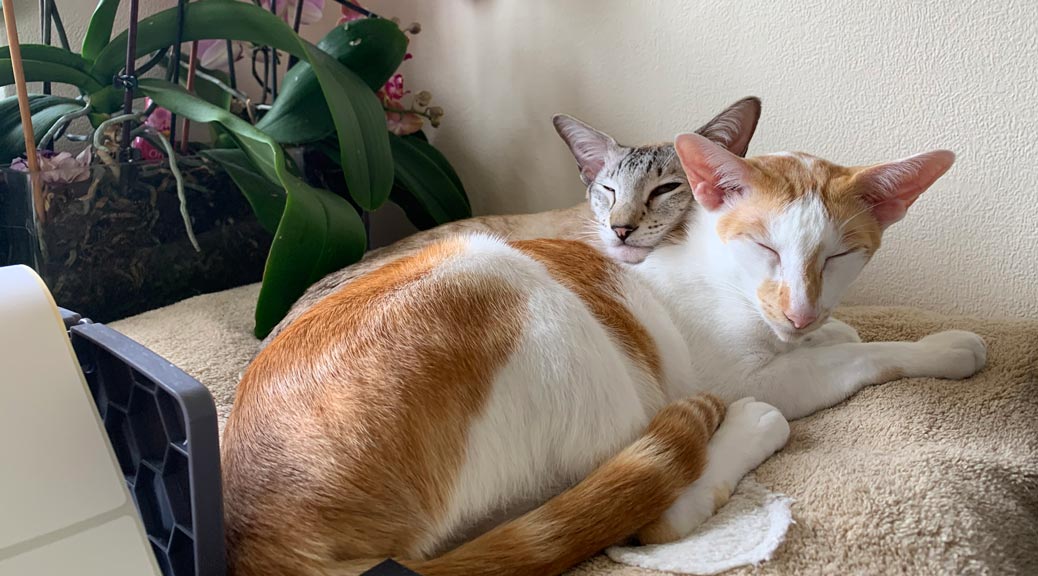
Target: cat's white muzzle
628 254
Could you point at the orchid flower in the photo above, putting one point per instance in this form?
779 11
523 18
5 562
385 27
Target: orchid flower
349 14
212 54
59 167
160 119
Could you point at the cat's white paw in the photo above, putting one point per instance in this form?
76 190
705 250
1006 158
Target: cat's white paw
832 332
952 354
754 430
750 433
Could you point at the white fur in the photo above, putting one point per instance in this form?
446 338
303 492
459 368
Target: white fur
569 397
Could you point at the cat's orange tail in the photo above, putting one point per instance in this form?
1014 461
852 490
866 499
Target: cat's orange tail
625 494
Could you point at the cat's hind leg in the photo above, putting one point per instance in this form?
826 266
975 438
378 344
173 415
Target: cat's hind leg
750 433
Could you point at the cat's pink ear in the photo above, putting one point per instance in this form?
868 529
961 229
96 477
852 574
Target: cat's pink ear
892 187
733 128
589 146
713 172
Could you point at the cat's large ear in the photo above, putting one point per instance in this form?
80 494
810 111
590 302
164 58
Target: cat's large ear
733 128
713 172
892 187
589 146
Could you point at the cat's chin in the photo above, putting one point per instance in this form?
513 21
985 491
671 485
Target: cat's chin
789 335
628 254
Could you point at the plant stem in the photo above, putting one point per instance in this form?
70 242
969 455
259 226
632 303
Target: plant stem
175 68
45 31
422 113
23 108
58 26
230 66
131 60
192 67
155 60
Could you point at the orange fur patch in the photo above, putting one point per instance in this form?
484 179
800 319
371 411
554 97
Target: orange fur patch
778 180
348 430
774 299
594 278
629 491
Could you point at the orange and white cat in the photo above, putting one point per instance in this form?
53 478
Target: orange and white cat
485 407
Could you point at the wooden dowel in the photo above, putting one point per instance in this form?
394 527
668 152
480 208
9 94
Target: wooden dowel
10 23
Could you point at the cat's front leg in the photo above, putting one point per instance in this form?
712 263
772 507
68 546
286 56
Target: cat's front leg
750 433
808 379
832 332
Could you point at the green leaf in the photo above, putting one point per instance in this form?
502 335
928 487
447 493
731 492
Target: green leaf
372 48
433 195
99 31
266 198
355 111
45 110
47 71
52 54
420 141
319 232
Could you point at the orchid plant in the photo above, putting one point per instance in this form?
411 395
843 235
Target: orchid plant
344 98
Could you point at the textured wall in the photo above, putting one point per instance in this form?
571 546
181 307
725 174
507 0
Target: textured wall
852 81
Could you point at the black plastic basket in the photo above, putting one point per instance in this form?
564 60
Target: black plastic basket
163 428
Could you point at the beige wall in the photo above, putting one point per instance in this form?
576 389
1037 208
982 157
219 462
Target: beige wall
849 80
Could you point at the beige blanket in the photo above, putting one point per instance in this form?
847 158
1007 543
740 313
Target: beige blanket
917 476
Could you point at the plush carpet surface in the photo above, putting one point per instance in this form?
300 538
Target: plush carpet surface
919 476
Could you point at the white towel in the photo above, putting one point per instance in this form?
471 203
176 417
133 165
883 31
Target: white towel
747 530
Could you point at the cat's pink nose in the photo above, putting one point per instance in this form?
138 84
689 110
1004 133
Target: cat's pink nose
801 319
623 231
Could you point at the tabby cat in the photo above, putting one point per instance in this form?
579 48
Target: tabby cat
493 407
637 199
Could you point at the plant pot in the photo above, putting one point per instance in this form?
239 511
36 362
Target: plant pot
111 241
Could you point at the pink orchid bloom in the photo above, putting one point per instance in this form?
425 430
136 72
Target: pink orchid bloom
394 88
349 14
399 123
403 124
59 167
212 54
313 10
159 119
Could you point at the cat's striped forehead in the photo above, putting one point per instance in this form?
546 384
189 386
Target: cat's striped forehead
780 181
636 163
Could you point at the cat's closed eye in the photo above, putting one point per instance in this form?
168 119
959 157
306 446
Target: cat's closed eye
841 254
770 249
662 189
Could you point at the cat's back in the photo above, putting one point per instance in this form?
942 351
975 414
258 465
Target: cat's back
474 367
566 223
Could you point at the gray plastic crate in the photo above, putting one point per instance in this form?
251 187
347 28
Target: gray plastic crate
163 428
162 425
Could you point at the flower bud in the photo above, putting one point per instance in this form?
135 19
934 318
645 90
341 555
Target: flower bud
423 98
